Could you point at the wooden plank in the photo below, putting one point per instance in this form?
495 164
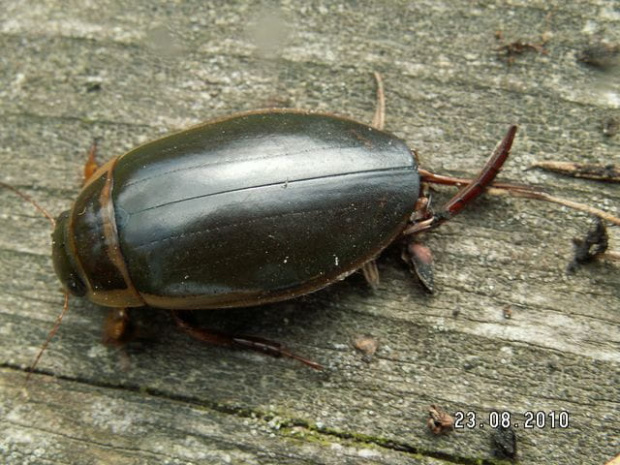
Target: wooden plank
126 75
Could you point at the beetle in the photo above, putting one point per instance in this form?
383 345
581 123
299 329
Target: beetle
249 209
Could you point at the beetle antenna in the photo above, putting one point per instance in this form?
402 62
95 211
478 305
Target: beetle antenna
51 334
27 198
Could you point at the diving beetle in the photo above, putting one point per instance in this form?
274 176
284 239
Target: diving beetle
249 209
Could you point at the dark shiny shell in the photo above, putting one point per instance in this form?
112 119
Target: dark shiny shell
259 207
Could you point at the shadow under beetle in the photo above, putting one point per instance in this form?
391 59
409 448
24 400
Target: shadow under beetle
249 209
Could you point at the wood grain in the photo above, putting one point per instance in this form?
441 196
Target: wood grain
72 71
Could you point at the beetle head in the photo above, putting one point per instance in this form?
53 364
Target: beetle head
64 259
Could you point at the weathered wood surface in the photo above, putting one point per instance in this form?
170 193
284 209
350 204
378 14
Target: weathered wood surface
71 71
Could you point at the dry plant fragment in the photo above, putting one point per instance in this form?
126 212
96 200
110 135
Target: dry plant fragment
607 172
367 345
439 422
509 51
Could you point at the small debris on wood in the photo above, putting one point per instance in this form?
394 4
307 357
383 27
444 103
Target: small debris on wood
507 312
597 171
93 87
505 442
367 345
611 126
589 248
439 422
508 52
602 55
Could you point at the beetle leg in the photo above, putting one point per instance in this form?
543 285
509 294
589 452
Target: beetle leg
257 344
91 164
370 270
371 273
432 178
378 120
486 176
471 191
418 256
117 328
420 260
